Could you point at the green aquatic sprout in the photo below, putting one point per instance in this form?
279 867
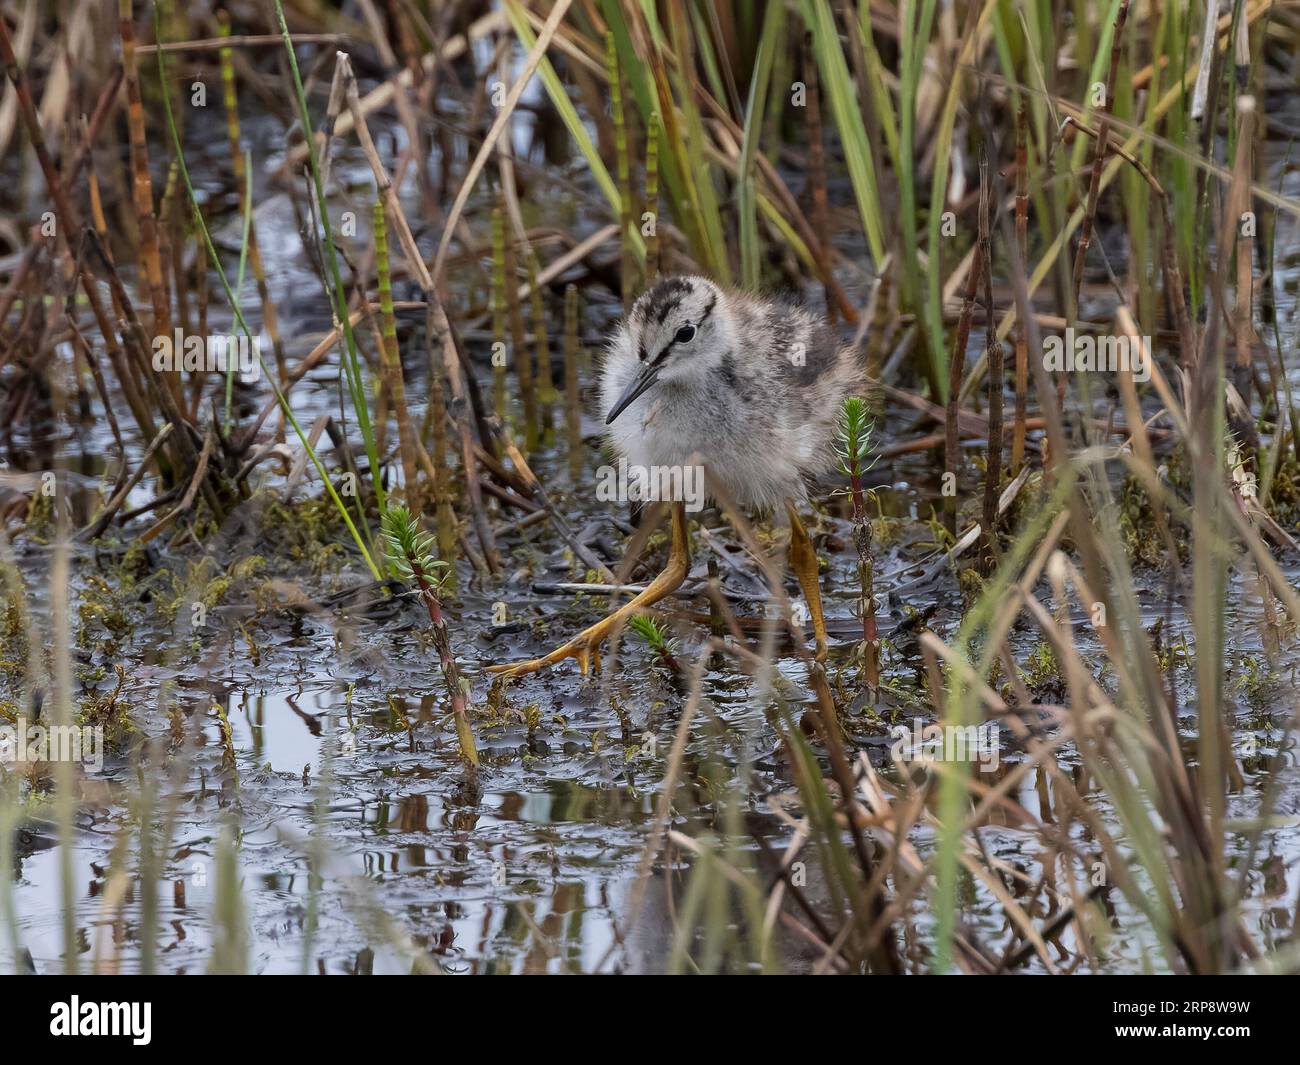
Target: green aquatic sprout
410 549
853 442
656 636
649 630
853 438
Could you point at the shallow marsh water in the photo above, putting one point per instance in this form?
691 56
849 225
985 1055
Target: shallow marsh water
341 746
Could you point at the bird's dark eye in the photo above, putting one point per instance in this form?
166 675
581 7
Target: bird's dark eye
685 334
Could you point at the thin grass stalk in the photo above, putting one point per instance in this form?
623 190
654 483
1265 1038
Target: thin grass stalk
1205 113
572 387
1269 269
1022 243
465 404
519 350
384 184
63 716
1173 278
956 363
1243 306
10 811
202 296
334 114
650 220
382 397
717 68
403 103
230 944
141 183
914 40
440 449
993 347
171 244
622 168
246 233
1136 198
391 360
500 345
1206 415
1098 162
882 100
817 178
239 168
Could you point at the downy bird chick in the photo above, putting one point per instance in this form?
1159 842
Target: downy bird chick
748 387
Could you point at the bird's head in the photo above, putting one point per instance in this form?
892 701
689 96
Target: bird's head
679 331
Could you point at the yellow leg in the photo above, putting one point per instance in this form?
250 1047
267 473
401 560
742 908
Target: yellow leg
581 647
803 560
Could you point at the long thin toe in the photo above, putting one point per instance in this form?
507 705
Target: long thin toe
510 670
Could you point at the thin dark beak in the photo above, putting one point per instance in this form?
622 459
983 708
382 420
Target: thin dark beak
642 383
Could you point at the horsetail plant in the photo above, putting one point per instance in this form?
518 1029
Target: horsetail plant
546 392
410 550
623 169
525 379
390 358
656 636
572 388
854 447
499 348
650 219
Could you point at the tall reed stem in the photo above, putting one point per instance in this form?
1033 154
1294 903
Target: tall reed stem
391 361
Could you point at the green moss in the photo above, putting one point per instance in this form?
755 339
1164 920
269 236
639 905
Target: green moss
14 647
1283 503
1143 539
308 530
103 614
1259 684
1041 673
109 712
